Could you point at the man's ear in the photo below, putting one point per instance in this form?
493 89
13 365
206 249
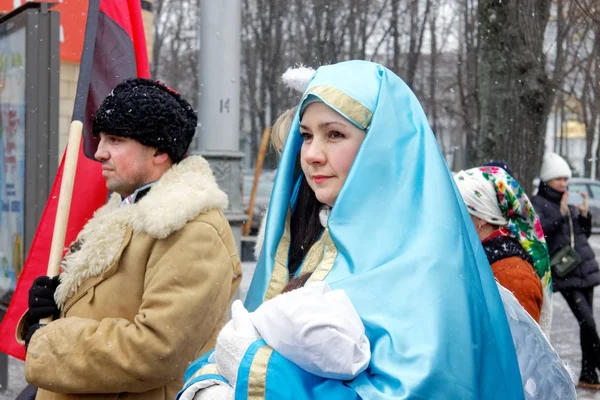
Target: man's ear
160 157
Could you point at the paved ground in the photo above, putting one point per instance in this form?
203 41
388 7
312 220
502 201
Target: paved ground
565 330
564 337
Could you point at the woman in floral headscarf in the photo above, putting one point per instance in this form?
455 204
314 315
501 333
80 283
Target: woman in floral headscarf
512 237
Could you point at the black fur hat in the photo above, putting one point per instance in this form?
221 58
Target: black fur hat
149 112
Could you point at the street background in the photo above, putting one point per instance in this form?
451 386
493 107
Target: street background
564 336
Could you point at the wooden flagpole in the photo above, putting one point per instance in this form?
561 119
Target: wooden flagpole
64 201
262 151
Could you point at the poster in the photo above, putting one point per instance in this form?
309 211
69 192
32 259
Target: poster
12 158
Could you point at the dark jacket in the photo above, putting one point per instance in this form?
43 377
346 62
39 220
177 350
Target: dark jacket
557 231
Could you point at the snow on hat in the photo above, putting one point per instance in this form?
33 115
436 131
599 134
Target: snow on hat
150 113
554 166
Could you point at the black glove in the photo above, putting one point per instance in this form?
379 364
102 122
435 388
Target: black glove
31 331
41 299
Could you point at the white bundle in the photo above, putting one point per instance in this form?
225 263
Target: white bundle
316 328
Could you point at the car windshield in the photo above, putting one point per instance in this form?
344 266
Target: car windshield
578 188
595 188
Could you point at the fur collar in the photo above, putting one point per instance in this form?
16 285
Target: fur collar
185 191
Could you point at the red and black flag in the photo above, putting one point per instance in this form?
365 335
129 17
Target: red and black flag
114 49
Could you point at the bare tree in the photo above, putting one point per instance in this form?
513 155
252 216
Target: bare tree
176 45
418 22
159 32
433 70
478 66
277 34
513 89
467 81
571 74
590 9
591 100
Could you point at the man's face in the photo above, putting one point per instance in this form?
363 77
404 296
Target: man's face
126 163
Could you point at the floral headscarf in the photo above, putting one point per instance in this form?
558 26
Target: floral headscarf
522 220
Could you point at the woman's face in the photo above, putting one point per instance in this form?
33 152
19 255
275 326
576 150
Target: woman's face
330 146
558 184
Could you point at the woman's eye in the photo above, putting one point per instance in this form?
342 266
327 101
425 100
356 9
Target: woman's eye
306 136
336 135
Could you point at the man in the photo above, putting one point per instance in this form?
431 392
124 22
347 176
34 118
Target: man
145 288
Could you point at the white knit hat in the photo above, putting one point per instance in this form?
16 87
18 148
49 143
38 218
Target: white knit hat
554 166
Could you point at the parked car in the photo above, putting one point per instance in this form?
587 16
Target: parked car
583 185
263 195
592 188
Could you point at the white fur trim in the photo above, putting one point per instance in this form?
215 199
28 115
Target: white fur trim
185 191
297 78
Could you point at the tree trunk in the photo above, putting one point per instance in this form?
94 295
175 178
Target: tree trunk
158 37
417 28
512 84
467 85
432 73
395 38
590 102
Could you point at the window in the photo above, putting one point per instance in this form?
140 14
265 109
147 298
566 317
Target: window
581 188
595 189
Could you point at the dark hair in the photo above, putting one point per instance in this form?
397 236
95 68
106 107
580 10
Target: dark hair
296 283
305 226
500 164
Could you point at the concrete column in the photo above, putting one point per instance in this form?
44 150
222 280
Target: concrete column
218 132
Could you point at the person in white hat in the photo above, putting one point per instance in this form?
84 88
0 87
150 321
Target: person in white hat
566 226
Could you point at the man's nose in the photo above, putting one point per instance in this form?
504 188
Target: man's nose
101 153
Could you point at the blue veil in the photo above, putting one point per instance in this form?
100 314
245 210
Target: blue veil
399 241
405 250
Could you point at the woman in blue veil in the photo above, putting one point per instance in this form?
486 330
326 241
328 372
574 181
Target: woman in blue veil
400 243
